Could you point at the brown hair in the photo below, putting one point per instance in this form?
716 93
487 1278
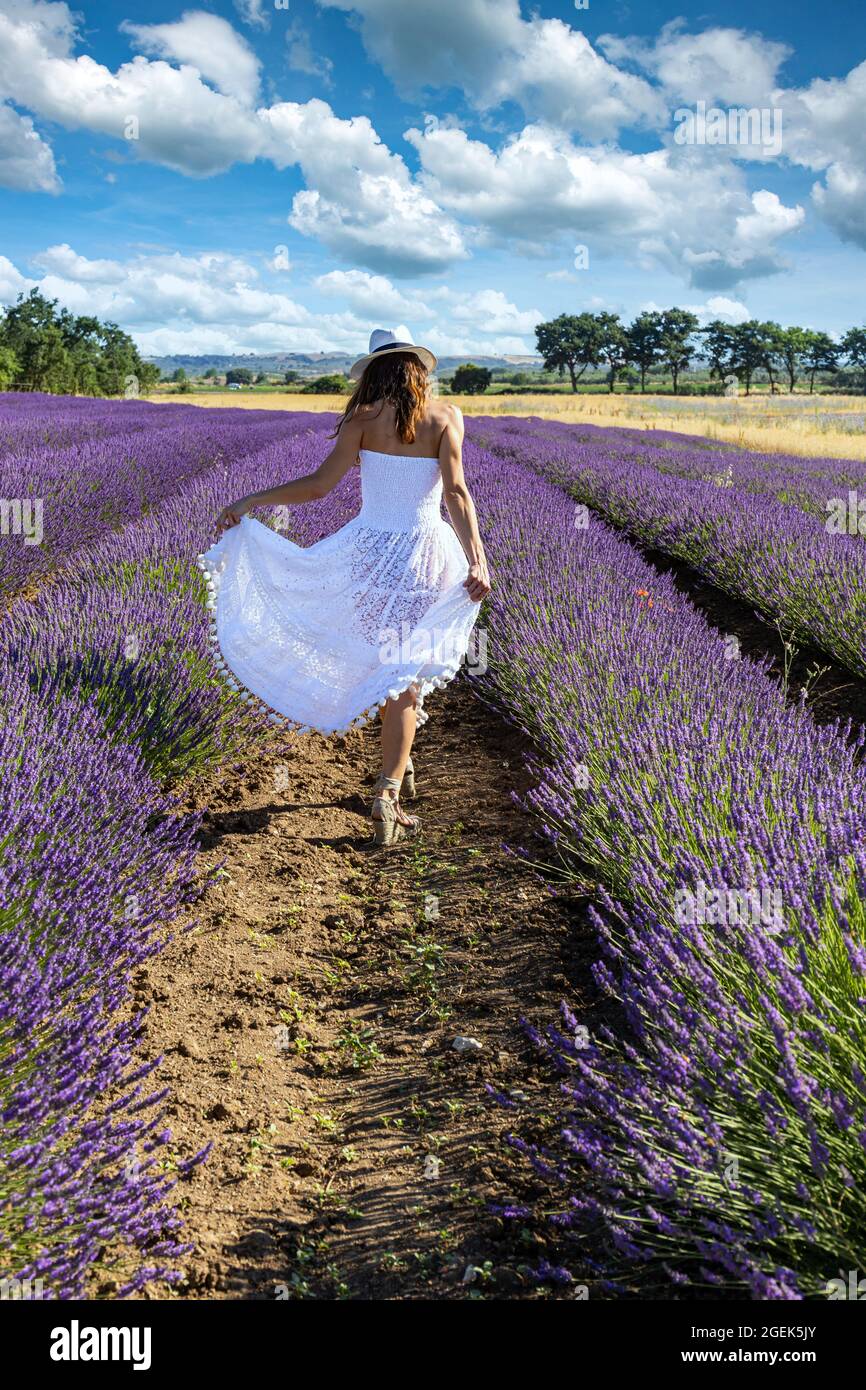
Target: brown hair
398 379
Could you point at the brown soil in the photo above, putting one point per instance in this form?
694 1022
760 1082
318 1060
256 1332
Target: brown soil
307 1024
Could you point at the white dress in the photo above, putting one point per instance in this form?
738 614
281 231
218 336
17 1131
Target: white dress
323 636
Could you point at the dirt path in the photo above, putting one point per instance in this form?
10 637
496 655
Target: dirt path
308 1024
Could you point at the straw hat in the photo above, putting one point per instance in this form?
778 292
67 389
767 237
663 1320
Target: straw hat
382 342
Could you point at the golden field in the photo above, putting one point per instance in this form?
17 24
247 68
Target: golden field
829 426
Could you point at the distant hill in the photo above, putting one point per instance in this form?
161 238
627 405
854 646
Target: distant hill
311 364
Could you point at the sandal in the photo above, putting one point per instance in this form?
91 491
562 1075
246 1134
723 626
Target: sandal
408 790
388 828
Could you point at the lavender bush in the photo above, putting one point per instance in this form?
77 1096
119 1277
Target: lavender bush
105 686
715 1139
722 1142
774 556
94 862
69 477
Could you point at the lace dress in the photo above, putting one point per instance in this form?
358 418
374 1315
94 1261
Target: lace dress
323 636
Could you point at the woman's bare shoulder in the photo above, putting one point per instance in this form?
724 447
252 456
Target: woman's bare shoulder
444 413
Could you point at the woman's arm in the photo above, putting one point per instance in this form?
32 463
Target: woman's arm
307 489
461 508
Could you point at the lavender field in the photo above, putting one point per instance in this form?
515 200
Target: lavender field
711 1139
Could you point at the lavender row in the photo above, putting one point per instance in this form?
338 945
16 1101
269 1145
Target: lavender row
107 692
57 499
722 1142
804 482
95 861
775 557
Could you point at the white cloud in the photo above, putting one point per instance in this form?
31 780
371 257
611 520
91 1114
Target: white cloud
214 302
176 303
12 282
540 186
362 201
716 307
301 58
824 131
370 296
821 123
446 344
63 261
26 161
207 44
687 209
181 122
375 298
253 12
493 55
492 311
725 66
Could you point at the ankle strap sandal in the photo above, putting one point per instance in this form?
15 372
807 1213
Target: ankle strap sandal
389 822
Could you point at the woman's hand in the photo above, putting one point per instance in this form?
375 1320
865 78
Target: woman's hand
231 515
478 583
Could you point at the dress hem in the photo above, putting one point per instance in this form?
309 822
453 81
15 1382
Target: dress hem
425 686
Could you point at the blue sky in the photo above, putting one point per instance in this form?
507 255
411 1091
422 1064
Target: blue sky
253 176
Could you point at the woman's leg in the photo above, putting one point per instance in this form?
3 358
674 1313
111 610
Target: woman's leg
398 732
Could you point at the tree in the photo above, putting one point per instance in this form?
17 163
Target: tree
677 349
290 376
241 375
178 374
569 342
55 350
9 368
751 345
793 345
327 385
614 347
645 337
774 354
822 355
471 380
719 347
211 374
262 377
45 362
854 347
119 363
31 331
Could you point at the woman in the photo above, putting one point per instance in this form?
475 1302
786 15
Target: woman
381 612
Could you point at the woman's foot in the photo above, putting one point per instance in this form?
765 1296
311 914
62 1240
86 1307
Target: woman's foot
390 821
408 790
